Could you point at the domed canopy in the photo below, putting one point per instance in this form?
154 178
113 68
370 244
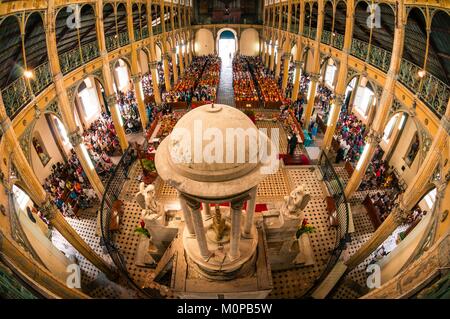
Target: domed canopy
214 151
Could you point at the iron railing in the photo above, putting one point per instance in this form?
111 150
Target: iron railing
112 191
336 190
18 94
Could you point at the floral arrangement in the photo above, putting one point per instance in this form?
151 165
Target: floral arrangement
141 230
304 228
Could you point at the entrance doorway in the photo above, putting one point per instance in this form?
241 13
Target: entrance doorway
227 47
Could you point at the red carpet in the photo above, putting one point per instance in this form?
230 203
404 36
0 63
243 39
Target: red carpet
258 209
295 160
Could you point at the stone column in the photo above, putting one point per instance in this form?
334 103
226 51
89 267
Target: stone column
153 65
41 198
272 56
108 77
235 238
140 101
167 79
64 103
187 216
267 55
287 60
199 228
88 167
174 64
412 194
296 87
251 204
180 59
342 79
278 64
116 117
207 210
52 287
310 106
385 103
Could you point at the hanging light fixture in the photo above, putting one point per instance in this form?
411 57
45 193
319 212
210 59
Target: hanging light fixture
28 74
421 73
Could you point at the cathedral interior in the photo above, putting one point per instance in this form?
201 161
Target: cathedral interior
260 149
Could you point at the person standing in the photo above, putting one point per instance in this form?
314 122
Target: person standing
292 144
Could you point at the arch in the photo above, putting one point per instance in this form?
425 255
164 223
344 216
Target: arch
12 59
439 48
204 42
249 42
230 30
144 60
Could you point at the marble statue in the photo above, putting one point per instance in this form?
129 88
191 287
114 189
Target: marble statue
295 203
146 200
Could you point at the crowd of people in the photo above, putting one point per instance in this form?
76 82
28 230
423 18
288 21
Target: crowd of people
101 142
243 85
384 203
270 91
323 101
129 109
207 86
350 133
69 187
184 89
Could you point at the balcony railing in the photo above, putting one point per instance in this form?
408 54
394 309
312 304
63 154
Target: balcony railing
157 29
312 33
359 49
73 59
433 91
380 58
112 42
326 37
18 94
306 31
145 33
124 39
137 35
338 42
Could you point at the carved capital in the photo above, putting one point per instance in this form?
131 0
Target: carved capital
37 112
445 123
111 100
400 215
166 56
174 50
136 78
192 203
314 77
153 65
75 139
287 55
339 99
4 126
374 137
298 64
48 209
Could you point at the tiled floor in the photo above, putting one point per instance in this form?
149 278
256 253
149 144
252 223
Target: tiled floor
287 284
